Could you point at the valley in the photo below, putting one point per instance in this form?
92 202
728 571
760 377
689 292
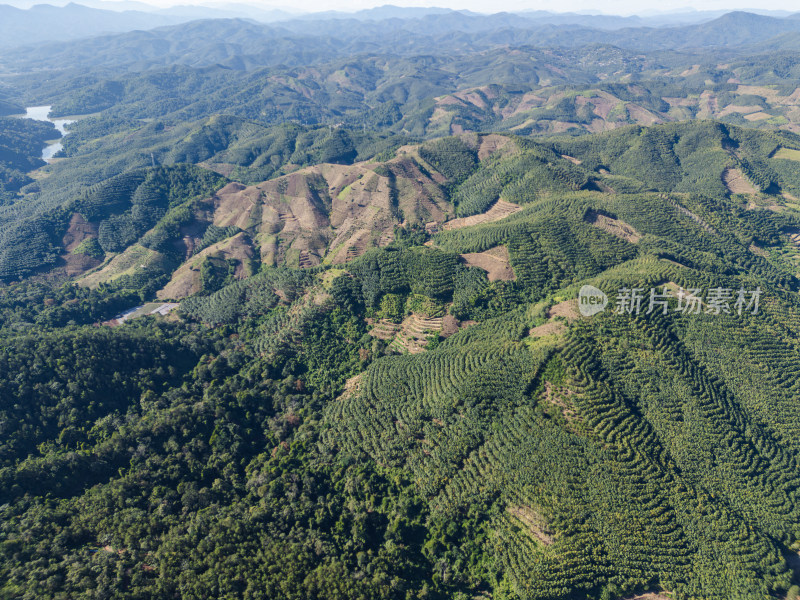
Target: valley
41 113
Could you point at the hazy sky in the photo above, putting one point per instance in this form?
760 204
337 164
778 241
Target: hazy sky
608 6
623 7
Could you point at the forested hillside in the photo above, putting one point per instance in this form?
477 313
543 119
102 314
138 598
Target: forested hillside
185 229
294 318
430 417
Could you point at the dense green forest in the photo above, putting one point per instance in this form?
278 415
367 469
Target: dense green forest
291 317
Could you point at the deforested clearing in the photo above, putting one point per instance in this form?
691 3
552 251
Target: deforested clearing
499 210
737 183
494 261
615 227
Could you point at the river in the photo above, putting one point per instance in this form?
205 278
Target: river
40 113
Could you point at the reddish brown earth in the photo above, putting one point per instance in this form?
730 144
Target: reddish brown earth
494 261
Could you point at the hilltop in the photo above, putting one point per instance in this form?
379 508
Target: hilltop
140 225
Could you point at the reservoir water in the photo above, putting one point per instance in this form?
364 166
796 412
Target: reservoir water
40 113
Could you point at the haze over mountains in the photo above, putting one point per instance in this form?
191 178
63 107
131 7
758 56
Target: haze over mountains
45 23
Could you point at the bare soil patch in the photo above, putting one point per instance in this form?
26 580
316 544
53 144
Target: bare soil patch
494 261
134 258
615 227
78 230
549 328
412 334
383 329
708 105
452 100
642 115
499 210
768 203
529 101
787 154
79 263
561 126
234 204
567 309
742 110
736 182
191 236
360 239
694 69
186 280
601 125
351 387
602 103
679 101
331 211
604 187
757 116
489 144
450 325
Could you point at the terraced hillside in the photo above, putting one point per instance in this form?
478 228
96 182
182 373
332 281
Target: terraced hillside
186 229
619 454
606 456
379 382
548 110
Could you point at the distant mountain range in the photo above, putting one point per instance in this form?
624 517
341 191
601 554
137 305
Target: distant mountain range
44 22
247 44
48 23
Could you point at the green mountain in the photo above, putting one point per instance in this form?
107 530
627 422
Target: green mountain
404 304
380 384
515 87
331 213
